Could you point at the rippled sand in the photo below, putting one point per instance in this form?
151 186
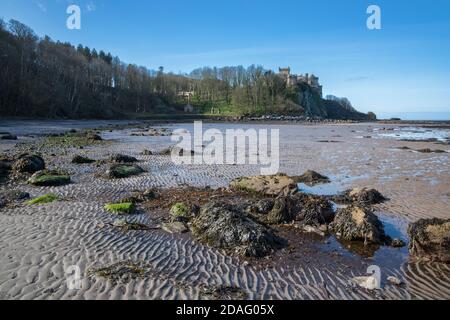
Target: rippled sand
38 243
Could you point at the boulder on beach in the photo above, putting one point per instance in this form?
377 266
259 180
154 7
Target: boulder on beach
146 152
315 210
176 151
8 136
223 226
118 171
49 178
141 196
361 196
358 224
302 208
311 178
275 185
430 240
28 164
121 158
81 160
93 136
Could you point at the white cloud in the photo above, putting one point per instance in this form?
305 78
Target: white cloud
91 6
41 6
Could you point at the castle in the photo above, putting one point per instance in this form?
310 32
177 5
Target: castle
293 79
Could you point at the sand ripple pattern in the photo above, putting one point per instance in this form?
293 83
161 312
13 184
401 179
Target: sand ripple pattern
39 243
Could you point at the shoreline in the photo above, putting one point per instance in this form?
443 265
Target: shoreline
38 242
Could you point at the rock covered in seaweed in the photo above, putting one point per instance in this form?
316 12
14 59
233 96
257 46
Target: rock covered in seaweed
81 160
119 171
223 226
430 240
315 210
311 178
49 178
28 164
358 224
301 208
121 158
275 185
361 196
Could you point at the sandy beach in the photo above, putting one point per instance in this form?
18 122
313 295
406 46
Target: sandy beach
39 243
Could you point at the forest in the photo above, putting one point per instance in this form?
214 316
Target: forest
43 78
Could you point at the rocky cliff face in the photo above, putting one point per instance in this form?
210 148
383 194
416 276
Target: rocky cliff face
315 106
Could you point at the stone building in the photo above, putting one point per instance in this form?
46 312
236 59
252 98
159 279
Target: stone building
293 79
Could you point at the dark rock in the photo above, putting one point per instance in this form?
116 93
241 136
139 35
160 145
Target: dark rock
139 197
428 150
49 178
8 137
221 225
425 150
315 210
361 196
120 158
118 171
93 136
81 160
311 178
306 209
29 164
430 240
146 152
397 243
358 224
176 151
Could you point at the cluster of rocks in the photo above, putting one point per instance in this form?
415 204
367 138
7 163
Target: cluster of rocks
33 167
22 164
245 227
293 119
153 132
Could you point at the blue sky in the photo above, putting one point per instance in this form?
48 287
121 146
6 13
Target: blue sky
403 68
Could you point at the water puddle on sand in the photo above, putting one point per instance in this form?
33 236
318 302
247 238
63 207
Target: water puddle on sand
337 185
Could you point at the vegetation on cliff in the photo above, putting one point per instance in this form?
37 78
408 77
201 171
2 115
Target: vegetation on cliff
43 78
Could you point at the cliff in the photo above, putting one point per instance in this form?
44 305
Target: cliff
315 106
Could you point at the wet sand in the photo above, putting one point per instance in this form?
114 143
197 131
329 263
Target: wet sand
38 243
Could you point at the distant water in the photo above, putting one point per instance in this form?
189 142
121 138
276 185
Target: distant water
417 133
415 116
